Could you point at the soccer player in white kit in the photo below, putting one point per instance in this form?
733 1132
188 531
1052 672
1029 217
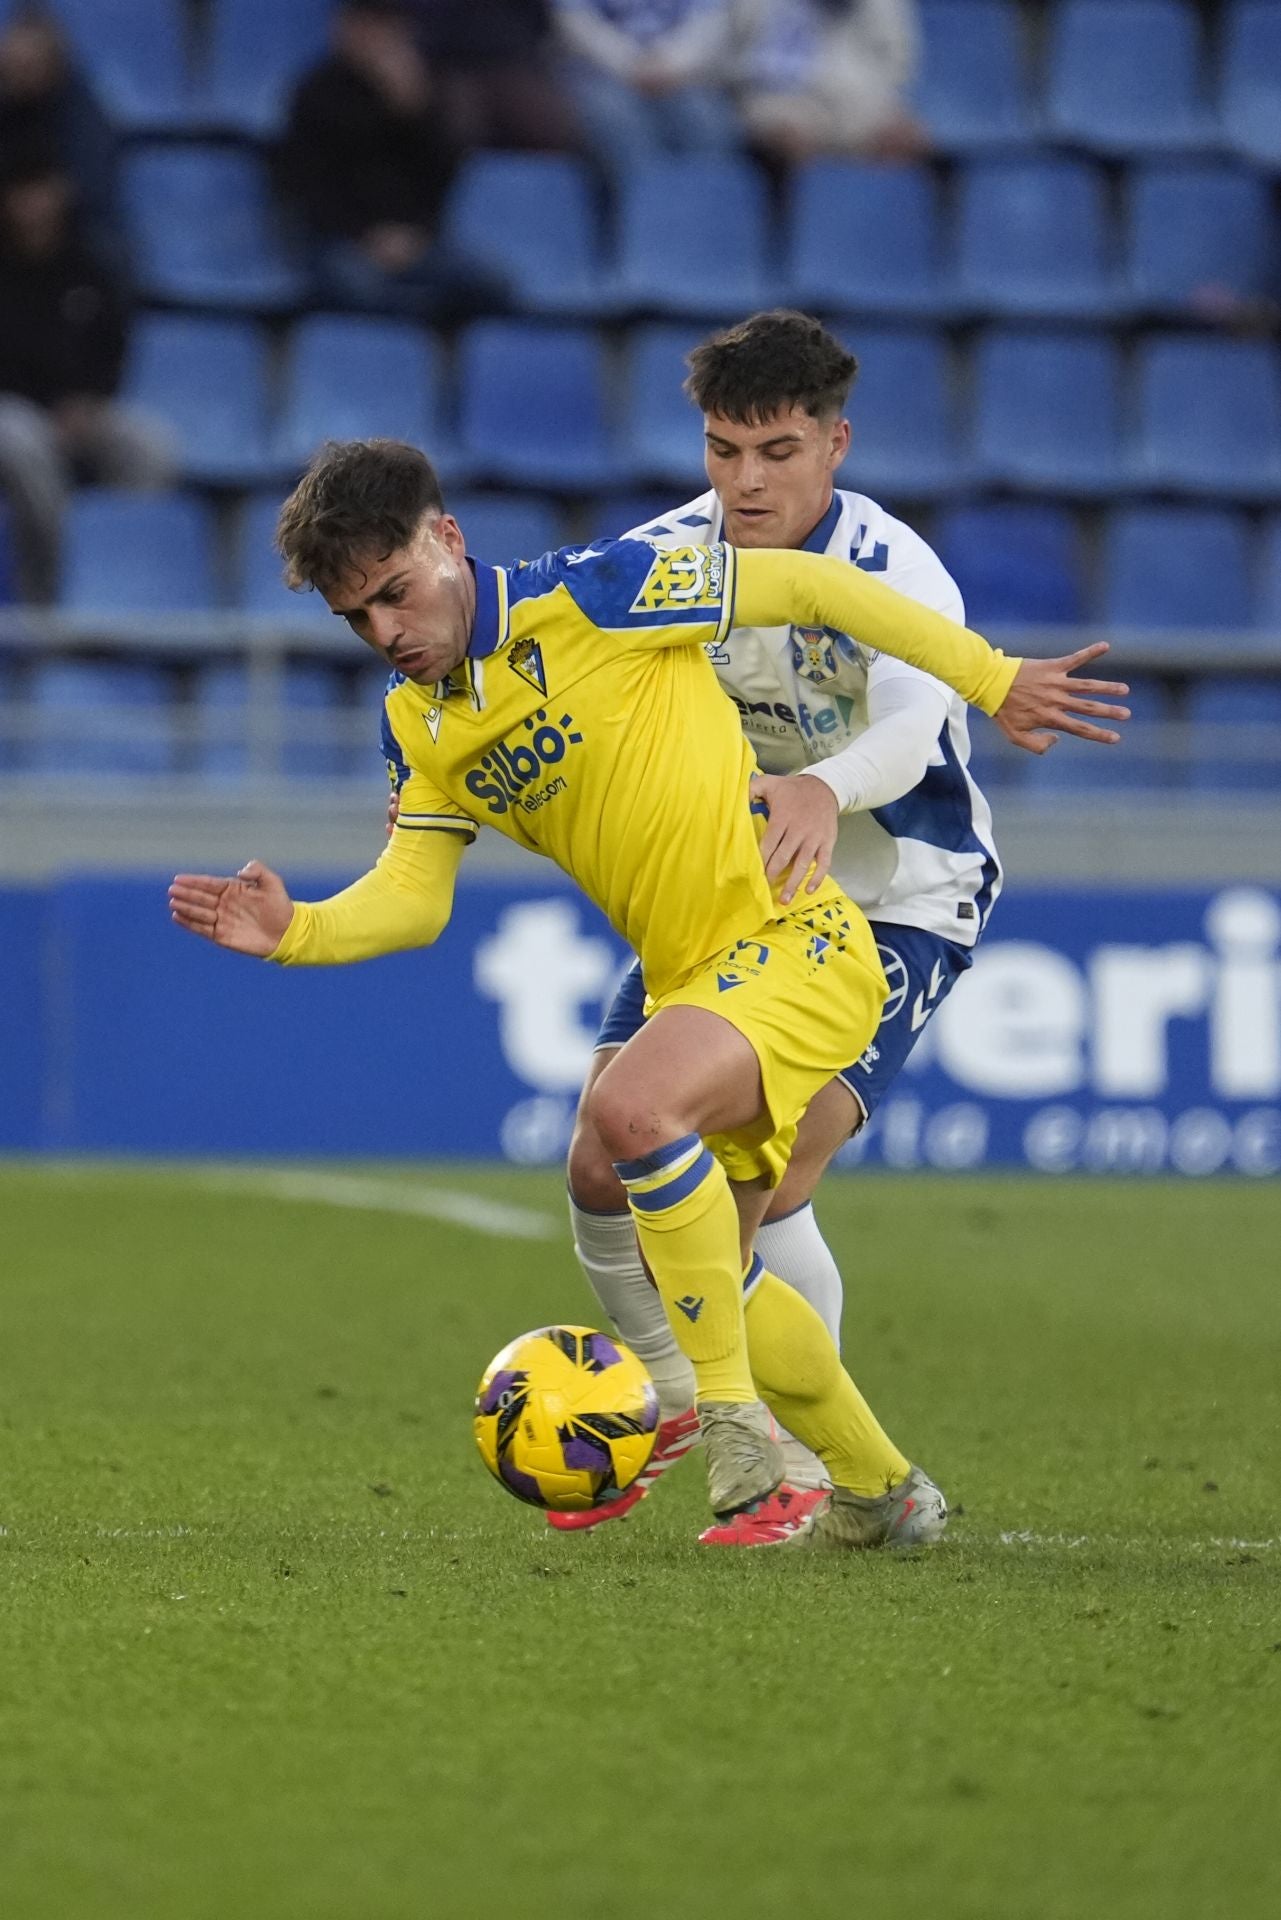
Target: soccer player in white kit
865 773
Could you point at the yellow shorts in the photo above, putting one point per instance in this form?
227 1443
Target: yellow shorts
806 993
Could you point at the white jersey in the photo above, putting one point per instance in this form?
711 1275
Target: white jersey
927 860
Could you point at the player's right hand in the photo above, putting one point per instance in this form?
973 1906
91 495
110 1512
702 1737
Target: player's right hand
248 914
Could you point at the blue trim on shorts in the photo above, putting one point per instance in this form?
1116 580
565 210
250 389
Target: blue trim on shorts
922 968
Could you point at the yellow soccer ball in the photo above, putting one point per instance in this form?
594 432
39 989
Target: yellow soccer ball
565 1415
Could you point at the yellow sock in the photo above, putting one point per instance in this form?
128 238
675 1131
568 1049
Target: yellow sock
687 1227
800 1378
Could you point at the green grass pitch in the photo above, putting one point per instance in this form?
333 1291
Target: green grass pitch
273 1646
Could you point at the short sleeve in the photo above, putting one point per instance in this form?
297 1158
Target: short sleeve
663 596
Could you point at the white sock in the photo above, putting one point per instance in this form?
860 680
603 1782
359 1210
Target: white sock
607 1252
794 1249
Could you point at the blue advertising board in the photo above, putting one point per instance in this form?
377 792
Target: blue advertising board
1102 1032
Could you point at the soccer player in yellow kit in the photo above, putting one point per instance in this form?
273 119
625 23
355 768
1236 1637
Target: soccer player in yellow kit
569 704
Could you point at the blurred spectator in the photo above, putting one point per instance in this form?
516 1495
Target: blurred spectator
827 76
45 101
650 77
494 59
366 162
63 331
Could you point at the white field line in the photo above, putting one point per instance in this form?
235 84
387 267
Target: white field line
1115 1540
492 1217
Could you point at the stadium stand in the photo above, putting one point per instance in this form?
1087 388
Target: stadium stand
1066 322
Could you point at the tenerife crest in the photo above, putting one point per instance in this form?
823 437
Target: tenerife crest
526 659
814 653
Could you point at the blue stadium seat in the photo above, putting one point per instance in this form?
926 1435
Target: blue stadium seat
1015 563
1183 568
1209 417
534 407
500 528
258 50
663 431
1125 76
1235 734
207 379
101 717
204 229
864 239
531 216
1250 97
972 89
322 733
127 553
901 411
693 238
354 377
1138 763
136 55
259 587
1034 239
1047 411
1195 225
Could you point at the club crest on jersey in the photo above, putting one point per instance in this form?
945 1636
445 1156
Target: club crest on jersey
680 579
526 659
814 653
433 716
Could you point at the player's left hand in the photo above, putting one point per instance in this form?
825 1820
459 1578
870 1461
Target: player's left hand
1045 701
803 817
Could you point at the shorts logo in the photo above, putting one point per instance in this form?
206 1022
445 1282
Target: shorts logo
682 579
896 973
526 659
742 963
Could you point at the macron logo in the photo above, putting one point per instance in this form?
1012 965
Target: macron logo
690 1306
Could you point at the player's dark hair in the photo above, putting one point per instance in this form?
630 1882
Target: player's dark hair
772 360
358 500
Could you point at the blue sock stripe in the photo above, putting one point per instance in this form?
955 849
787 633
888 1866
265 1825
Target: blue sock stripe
656 1161
659 1199
753 1274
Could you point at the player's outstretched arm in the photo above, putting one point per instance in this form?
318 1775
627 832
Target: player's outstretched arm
776 587
403 902
248 914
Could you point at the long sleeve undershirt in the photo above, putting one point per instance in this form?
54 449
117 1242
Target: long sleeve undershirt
404 901
905 717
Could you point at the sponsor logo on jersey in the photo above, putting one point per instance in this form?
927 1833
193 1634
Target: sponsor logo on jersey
505 777
681 579
526 659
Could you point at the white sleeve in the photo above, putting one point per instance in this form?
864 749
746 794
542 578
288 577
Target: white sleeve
906 713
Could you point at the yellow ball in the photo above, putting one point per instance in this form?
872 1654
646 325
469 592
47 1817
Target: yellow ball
565 1415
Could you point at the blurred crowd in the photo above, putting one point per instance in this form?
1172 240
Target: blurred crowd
374 133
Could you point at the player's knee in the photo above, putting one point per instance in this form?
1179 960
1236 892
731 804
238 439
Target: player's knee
589 1170
622 1121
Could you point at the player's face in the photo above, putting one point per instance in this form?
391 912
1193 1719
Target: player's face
774 479
414 607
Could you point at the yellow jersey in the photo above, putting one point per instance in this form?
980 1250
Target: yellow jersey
586 723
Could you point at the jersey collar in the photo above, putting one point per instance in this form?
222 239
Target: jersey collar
822 534
489 627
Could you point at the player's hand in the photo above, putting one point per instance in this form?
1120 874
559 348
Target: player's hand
1045 701
393 811
248 914
803 817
